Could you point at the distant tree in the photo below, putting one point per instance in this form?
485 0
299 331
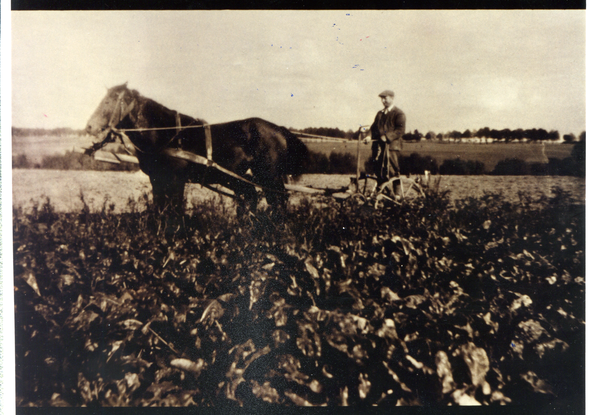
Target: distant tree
466 134
324 131
554 135
582 136
430 135
417 135
536 134
569 138
506 134
495 134
518 134
483 132
455 135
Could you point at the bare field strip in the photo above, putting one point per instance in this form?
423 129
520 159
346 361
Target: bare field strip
64 188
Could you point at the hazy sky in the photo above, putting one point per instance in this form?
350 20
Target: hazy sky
451 70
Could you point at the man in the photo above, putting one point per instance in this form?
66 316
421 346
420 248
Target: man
386 133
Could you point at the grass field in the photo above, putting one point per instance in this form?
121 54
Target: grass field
489 154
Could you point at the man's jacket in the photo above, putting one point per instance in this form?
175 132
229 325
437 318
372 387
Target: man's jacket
392 124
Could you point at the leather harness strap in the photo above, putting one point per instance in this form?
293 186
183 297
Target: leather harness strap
186 155
208 139
132 149
120 110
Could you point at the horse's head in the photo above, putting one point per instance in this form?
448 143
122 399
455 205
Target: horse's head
114 107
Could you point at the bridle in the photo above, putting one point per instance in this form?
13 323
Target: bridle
120 111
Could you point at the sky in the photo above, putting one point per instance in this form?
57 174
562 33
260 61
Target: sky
450 69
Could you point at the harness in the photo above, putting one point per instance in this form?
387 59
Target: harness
121 111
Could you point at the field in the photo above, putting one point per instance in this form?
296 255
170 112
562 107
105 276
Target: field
65 188
489 154
476 299
36 147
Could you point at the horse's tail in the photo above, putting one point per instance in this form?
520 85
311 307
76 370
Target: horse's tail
296 157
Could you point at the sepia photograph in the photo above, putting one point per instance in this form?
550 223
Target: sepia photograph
270 209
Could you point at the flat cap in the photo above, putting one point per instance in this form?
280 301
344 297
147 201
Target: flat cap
387 93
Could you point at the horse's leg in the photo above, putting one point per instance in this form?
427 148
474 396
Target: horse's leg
168 192
248 198
279 197
273 183
159 192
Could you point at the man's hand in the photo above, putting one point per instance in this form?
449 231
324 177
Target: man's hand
366 140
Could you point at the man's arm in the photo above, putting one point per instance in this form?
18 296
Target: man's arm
398 126
375 133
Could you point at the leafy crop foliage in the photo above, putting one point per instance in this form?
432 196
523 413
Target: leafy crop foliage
424 304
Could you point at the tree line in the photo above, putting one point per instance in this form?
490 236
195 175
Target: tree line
506 135
483 134
486 133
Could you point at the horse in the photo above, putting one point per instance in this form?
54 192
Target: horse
255 150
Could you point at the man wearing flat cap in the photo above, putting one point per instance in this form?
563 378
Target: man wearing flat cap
386 133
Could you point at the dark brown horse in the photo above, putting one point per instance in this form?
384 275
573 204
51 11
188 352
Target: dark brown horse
253 148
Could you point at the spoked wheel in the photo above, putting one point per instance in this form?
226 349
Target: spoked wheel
409 190
366 185
361 190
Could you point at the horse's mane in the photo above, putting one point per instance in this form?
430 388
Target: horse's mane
146 103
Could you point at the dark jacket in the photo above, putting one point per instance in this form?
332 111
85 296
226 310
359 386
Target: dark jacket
392 124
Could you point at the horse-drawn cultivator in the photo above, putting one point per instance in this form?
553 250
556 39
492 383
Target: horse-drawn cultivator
235 159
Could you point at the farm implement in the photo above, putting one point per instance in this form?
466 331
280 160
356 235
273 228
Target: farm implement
363 188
